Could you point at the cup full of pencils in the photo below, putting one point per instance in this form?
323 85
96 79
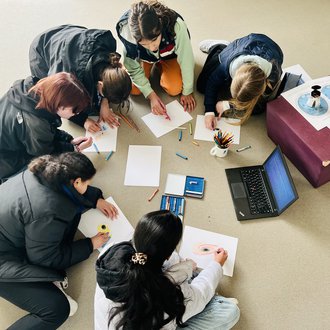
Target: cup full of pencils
222 142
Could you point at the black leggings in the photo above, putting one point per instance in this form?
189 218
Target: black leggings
47 305
211 63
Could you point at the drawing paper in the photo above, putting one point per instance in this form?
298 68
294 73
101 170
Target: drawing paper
105 140
204 134
120 228
175 184
159 125
193 238
143 166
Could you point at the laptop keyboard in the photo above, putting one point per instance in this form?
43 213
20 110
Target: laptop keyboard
257 194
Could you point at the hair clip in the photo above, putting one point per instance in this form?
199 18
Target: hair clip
139 258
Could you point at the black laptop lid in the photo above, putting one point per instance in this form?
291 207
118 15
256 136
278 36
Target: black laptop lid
280 181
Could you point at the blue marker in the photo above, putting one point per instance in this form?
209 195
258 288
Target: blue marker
184 157
96 148
108 155
180 135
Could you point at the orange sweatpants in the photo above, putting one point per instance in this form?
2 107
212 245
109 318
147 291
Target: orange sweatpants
170 76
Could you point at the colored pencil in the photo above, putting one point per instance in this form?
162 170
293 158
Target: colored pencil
182 156
153 195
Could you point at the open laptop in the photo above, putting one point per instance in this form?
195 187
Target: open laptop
262 191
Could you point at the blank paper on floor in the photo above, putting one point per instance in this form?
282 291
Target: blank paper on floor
143 166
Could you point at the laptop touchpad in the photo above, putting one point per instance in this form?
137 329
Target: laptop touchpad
238 190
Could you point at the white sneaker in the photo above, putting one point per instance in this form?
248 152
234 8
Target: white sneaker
73 304
206 45
233 300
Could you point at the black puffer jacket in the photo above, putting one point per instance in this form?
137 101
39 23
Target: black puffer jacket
26 132
37 225
73 49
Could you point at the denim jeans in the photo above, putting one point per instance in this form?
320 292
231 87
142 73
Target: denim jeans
219 314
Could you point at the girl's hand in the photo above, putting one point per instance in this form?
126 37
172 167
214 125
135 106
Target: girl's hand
91 126
107 115
220 256
99 239
211 121
107 209
188 102
157 106
82 142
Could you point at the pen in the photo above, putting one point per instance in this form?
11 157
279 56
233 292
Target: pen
190 129
180 135
96 148
242 149
153 195
108 155
182 156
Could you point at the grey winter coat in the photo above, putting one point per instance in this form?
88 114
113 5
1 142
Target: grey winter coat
37 225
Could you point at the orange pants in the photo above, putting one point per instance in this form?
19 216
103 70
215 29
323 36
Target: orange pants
170 76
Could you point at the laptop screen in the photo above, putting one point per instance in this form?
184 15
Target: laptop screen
280 180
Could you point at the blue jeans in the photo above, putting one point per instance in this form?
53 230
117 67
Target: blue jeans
218 314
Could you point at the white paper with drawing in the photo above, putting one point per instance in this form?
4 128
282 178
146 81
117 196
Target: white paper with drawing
159 125
120 228
199 245
143 166
205 134
316 110
105 140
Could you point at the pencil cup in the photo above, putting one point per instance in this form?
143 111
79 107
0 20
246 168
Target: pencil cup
219 152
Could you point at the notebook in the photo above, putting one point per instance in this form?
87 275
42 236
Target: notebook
262 191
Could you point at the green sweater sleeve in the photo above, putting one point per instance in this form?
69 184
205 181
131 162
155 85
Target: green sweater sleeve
185 56
137 74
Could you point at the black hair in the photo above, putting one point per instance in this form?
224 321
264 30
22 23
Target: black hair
58 170
148 298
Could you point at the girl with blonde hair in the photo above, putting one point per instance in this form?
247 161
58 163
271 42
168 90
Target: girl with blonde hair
242 76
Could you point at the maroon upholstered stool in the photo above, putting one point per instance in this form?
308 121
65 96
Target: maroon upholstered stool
307 148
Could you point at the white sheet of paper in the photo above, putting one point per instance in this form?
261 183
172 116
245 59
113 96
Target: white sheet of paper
160 126
175 184
204 134
293 96
194 239
120 228
143 166
105 140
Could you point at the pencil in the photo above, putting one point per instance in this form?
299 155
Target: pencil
132 123
184 157
153 195
190 129
126 120
108 155
96 148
